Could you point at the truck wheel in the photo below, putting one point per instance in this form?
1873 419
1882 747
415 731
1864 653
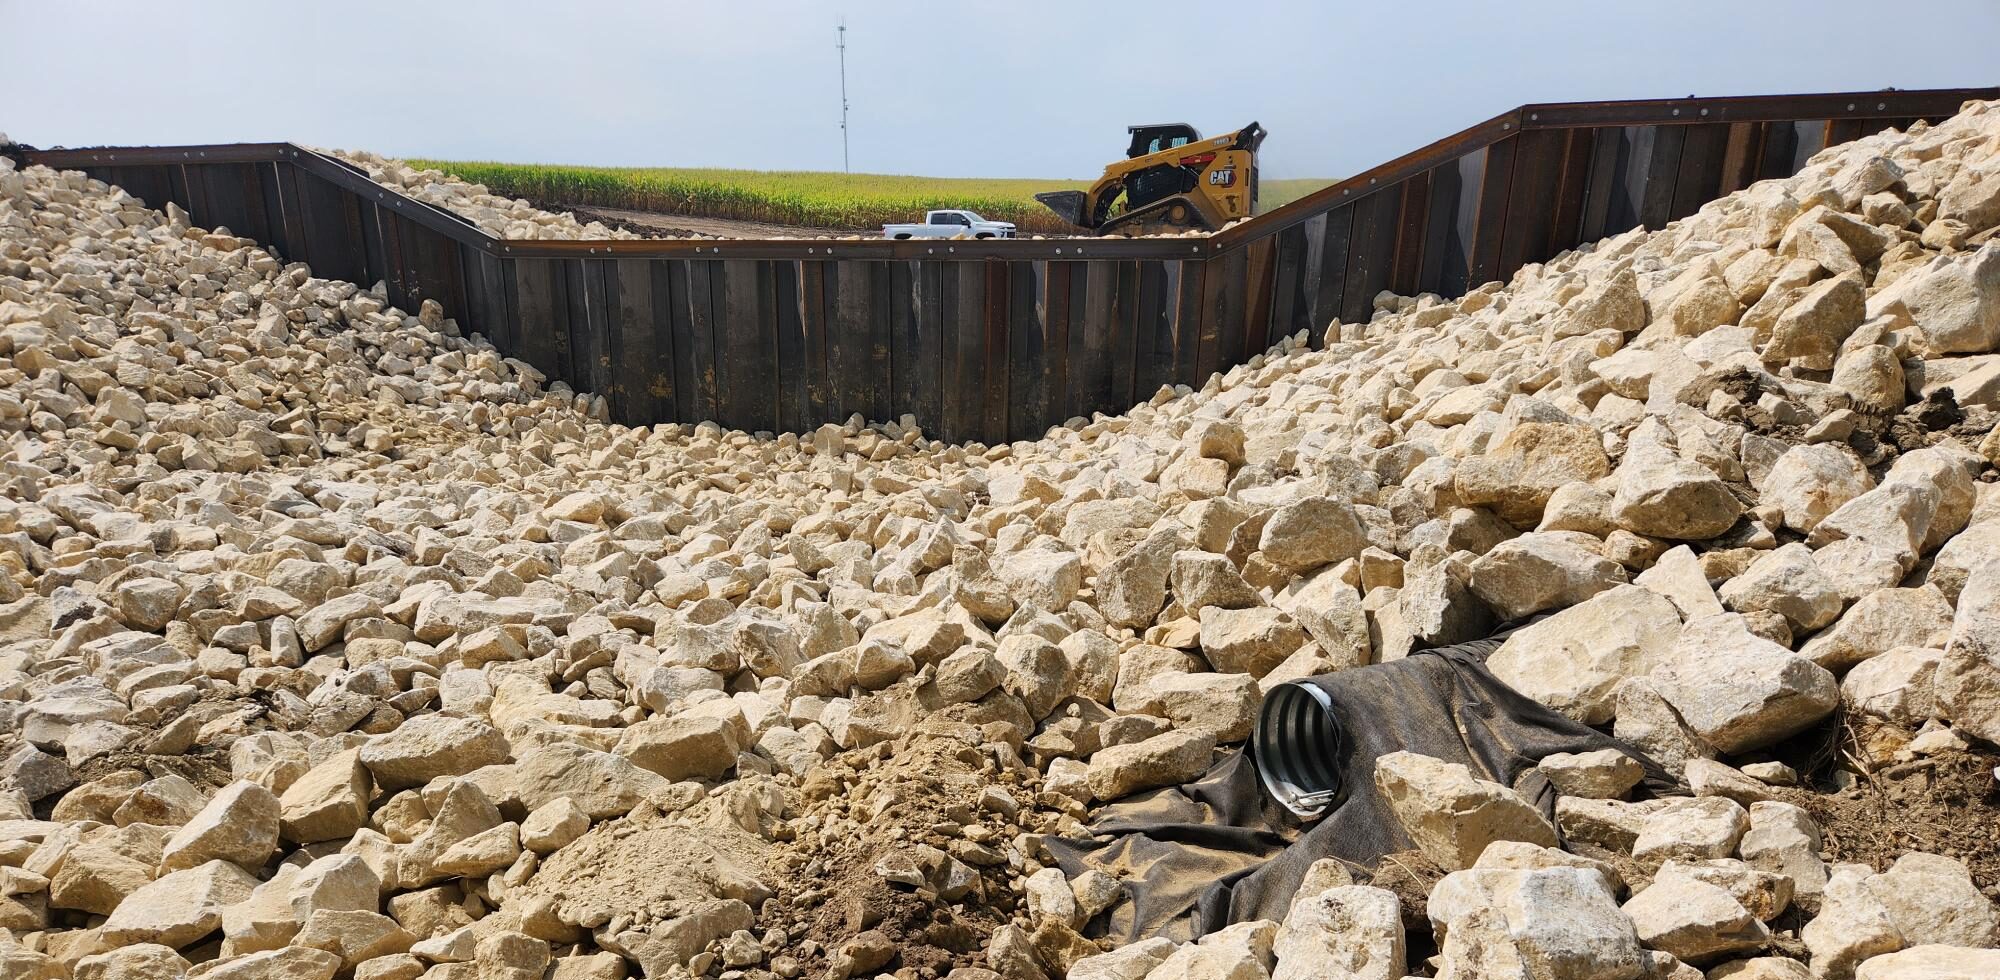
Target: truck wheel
903 237
983 234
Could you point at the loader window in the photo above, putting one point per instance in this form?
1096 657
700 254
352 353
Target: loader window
1153 139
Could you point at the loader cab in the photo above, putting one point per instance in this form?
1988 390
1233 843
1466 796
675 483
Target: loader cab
1159 136
1164 180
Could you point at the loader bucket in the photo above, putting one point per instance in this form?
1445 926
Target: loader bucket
1068 205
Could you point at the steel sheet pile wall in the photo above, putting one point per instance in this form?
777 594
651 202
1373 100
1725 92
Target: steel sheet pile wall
998 340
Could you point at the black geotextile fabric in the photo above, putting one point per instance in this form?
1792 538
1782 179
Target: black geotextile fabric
1198 857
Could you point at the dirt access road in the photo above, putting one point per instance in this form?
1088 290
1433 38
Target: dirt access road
679 225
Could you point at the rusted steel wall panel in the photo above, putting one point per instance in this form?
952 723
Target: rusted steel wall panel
926 392
1257 302
964 336
1291 308
1702 158
747 361
1371 252
999 295
704 302
1027 349
643 344
1090 348
1062 282
1335 234
1186 286
1125 332
1572 188
788 298
1489 220
1530 220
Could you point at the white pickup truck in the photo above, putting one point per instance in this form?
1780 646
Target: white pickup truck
951 224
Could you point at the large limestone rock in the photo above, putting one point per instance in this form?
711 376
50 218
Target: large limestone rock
1783 839
1435 606
1132 961
1765 894
290 963
1662 495
1956 302
1739 691
1575 660
139 961
1452 815
1332 613
1606 774
1899 686
1248 641
1237 952
1201 579
1932 963
599 783
1609 302
1516 476
1543 924
330 801
1882 621
1818 321
1677 574
1760 968
1046 579
1946 469
1852 926
1931 899
1223 705
686 746
1038 672
1540 571
1649 723
180 907
240 824
1968 679
1695 829
1352 931
1132 589
1956 560
1695 921
1163 760
1787 582
1312 532
355 936
1708 777
428 746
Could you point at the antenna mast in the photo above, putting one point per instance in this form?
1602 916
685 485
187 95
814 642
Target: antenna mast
841 45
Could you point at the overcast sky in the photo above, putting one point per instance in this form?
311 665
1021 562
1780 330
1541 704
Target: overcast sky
1018 88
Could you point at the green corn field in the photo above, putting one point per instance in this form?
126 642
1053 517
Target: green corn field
809 199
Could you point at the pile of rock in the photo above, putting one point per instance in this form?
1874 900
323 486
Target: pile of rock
497 214
333 642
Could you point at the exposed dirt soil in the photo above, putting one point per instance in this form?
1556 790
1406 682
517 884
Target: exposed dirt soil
1943 804
876 806
647 868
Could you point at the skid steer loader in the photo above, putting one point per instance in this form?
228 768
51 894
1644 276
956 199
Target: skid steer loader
1170 180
